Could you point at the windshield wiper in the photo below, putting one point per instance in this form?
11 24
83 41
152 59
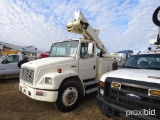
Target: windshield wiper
60 56
131 67
153 68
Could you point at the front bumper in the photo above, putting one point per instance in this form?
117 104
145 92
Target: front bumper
116 111
38 94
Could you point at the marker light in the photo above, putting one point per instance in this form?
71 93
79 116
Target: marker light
59 70
115 85
154 92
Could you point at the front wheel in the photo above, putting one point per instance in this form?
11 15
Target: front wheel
68 97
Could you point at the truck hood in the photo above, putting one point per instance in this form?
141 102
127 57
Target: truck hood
135 74
48 62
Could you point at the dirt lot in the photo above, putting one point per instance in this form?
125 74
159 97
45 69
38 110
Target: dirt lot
17 106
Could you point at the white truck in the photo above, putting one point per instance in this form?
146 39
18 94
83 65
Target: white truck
134 90
8 62
71 70
8 65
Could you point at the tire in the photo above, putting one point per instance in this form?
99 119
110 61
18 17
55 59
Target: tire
68 97
155 17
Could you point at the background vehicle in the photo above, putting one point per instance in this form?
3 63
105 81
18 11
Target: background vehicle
44 55
11 55
71 70
127 53
8 64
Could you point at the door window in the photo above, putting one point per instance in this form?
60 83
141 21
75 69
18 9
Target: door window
12 59
84 50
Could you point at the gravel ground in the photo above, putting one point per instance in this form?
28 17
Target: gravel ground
17 106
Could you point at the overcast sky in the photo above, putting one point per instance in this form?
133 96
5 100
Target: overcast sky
123 24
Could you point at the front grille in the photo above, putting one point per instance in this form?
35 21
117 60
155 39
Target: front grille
122 96
135 89
119 96
27 75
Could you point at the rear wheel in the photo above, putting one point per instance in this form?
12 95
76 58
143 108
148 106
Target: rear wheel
68 97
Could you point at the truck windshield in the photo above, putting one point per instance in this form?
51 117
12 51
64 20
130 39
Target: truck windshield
64 49
145 61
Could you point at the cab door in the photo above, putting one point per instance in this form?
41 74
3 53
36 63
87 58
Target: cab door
9 65
87 63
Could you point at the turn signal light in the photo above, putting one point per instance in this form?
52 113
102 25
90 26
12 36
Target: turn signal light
155 92
101 84
59 70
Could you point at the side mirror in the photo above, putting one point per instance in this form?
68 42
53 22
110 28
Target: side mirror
120 60
4 61
90 48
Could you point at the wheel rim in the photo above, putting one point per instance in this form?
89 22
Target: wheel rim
70 96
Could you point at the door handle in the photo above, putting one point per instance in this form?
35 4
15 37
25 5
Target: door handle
73 66
94 67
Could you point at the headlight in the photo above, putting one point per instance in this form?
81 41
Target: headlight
48 80
101 91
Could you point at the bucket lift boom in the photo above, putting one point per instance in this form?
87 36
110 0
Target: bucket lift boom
81 26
